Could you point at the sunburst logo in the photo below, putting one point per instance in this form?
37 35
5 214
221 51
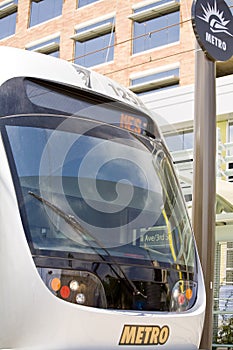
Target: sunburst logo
215 18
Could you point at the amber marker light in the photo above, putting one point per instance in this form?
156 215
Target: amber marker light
55 284
189 293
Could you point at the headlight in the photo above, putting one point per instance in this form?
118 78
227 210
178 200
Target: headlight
183 295
78 287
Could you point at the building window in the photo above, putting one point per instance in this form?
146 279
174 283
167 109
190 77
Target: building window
8 14
155 25
94 44
180 145
180 141
49 46
157 81
223 295
44 10
229 154
82 3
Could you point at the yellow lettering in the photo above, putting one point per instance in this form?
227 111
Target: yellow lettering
144 335
128 335
140 334
147 334
154 335
164 334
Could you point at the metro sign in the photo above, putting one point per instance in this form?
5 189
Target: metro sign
213 26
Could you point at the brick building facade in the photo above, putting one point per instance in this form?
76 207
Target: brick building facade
145 45
125 65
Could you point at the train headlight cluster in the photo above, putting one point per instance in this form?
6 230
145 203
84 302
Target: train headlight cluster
183 295
60 287
80 298
78 287
74 285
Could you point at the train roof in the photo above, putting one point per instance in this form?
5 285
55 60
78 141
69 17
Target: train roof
21 63
18 63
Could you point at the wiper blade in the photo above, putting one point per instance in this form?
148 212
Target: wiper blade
75 224
69 219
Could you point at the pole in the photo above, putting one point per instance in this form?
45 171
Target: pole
204 179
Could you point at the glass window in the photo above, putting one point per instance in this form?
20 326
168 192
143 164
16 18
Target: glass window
82 3
230 151
110 195
230 259
44 10
49 47
223 295
8 15
180 141
149 33
166 79
149 91
95 44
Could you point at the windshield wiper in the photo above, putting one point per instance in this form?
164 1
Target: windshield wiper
82 231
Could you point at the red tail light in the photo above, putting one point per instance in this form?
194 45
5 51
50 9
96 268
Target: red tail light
78 287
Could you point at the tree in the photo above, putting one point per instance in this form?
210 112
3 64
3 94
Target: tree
225 333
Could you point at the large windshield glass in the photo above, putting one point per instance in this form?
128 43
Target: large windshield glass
117 187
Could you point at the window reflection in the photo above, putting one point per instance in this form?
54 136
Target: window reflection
8 25
82 3
44 10
180 141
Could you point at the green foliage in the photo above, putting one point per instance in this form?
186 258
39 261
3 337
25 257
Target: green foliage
225 333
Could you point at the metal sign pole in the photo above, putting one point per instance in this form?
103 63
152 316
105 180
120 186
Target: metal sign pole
213 27
204 179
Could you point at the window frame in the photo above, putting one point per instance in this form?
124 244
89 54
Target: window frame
84 5
154 11
48 45
181 140
9 8
38 22
88 32
154 80
145 13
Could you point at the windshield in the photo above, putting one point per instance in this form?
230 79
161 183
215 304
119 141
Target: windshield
118 186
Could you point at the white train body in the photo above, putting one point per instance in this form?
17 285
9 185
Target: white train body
125 274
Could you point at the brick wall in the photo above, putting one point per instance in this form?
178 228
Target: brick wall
124 63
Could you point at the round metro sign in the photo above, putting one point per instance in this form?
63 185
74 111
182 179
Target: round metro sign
213 26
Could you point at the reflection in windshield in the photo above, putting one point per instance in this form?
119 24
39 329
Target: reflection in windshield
81 231
120 188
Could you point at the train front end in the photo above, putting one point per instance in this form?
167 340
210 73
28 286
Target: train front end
97 251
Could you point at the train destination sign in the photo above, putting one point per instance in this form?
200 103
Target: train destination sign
213 26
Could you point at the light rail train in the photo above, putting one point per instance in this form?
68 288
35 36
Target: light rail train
96 247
